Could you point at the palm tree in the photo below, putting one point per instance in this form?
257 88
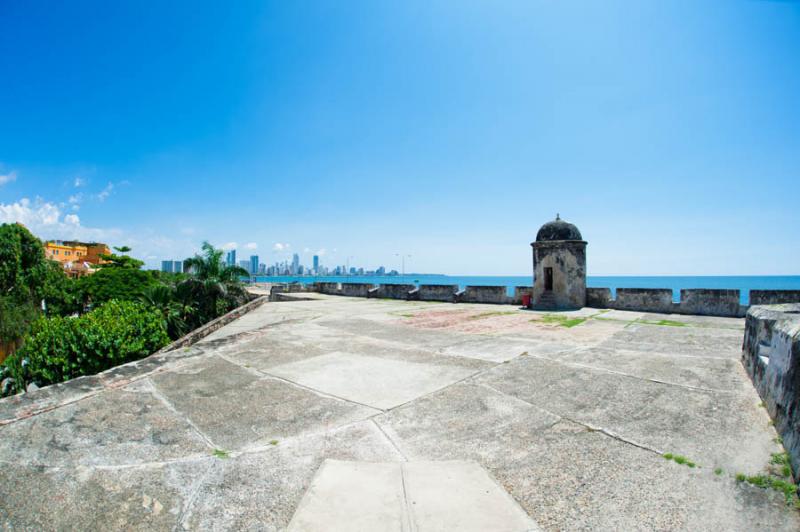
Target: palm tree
216 286
175 308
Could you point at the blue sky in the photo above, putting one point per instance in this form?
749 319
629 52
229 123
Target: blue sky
669 132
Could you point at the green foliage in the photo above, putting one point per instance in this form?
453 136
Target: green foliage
16 317
120 261
174 305
22 263
214 287
59 292
61 348
23 273
124 284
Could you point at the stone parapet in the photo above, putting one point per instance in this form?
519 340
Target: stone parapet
485 294
645 299
437 292
708 302
771 356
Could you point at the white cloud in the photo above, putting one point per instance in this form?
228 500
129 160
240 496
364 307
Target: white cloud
79 182
251 246
7 178
75 201
280 247
45 220
229 246
322 252
106 192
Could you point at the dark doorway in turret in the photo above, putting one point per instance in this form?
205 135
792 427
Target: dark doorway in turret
548 279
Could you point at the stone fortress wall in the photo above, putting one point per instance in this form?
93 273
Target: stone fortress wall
771 356
699 301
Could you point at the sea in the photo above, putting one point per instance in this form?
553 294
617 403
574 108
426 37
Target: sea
743 283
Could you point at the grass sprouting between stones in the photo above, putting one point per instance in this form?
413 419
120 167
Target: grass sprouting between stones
490 314
781 460
273 442
563 321
678 459
221 453
665 323
779 478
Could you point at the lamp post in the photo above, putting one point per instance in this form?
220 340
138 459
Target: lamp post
403 263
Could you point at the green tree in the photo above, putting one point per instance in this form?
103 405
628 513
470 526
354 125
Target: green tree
23 266
23 273
175 308
120 260
124 284
215 286
60 292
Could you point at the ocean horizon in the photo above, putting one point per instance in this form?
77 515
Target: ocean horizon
743 283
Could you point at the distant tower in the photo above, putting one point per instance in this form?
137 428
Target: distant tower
559 267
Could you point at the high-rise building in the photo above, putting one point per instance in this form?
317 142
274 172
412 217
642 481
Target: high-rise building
253 264
295 263
230 258
316 264
245 264
177 266
167 266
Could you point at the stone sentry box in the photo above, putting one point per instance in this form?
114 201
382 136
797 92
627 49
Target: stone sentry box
559 267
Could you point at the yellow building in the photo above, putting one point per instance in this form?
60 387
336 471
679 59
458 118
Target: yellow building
77 257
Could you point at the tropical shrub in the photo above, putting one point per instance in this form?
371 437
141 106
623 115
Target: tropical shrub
62 348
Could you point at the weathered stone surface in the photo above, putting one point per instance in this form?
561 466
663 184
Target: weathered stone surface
771 356
567 420
644 299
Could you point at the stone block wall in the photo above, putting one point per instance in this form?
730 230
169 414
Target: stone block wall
772 297
328 288
519 291
484 294
598 297
392 291
699 301
709 302
355 289
437 292
771 356
644 299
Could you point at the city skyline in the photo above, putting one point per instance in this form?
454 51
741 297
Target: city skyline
669 132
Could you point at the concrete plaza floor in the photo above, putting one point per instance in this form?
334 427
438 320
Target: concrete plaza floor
353 414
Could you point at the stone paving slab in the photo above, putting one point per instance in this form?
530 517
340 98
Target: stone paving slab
235 408
407 496
377 382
